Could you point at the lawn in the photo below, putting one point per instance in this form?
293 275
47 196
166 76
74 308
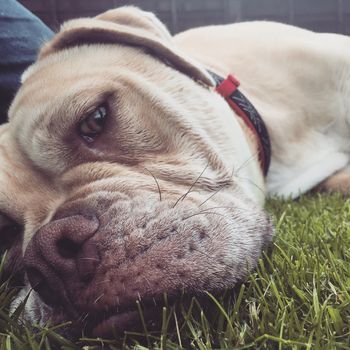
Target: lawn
297 298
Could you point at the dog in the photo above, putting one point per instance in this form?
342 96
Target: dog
126 174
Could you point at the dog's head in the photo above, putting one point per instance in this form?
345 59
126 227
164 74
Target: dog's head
117 176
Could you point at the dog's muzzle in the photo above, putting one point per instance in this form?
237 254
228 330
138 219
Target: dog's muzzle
136 247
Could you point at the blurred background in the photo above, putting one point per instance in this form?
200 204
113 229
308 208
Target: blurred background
178 15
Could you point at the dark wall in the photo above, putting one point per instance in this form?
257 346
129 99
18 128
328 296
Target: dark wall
320 15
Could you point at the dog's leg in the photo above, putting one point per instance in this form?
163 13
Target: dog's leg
339 182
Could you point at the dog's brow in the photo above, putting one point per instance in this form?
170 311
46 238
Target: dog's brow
77 105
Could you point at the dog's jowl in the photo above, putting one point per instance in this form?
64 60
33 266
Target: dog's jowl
130 168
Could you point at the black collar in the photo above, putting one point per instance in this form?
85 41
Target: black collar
228 88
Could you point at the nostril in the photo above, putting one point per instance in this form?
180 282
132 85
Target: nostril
60 241
67 249
40 285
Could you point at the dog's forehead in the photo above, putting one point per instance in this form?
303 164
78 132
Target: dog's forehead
67 68
90 59
81 57
51 81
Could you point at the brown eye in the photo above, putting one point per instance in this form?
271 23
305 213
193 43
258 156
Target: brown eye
93 124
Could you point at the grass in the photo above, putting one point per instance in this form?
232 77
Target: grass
298 297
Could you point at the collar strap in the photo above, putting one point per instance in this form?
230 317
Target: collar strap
228 88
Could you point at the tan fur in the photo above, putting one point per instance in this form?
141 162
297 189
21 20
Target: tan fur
339 182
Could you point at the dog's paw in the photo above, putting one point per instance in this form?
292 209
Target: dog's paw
339 182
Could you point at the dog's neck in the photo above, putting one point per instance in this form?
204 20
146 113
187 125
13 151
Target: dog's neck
249 118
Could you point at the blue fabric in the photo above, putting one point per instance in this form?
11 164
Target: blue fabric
21 35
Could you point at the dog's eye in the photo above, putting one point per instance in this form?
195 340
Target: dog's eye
9 232
93 124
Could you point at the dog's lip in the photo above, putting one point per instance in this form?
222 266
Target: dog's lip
118 320
115 324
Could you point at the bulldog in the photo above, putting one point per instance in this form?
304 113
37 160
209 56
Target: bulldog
125 174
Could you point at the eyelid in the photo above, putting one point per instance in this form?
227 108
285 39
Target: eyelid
87 112
92 107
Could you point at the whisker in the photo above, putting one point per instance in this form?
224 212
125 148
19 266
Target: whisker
251 182
212 195
83 318
233 174
204 213
156 181
85 323
246 162
147 281
219 207
98 298
102 282
210 257
191 187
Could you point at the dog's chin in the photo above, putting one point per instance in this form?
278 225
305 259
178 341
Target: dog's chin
109 324
115 323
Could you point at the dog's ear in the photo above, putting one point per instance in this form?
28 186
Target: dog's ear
127 25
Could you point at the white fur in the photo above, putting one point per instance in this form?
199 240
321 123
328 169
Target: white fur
300 83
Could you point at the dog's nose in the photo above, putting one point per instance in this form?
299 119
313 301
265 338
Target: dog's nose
58 251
